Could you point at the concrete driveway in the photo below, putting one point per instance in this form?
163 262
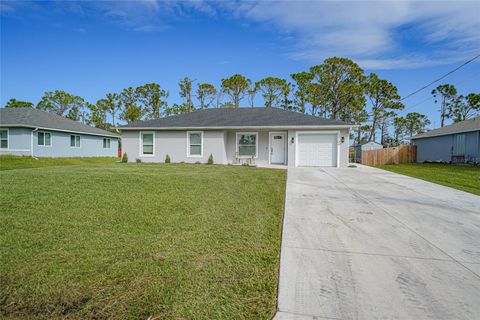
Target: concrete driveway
363 243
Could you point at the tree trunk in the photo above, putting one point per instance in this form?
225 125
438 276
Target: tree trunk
113 117
372 132
383 132
442 116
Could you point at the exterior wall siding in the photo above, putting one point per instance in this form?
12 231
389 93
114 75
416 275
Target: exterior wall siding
19 142
440 148
174 143
221 144
434 148
472 144
90 146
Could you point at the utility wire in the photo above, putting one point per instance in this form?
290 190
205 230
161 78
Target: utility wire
418 103
370 115
442 77
431 97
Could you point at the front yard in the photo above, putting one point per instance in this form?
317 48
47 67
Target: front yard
8 162
465 178
138 240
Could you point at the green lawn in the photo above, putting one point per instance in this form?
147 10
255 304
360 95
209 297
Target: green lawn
464 178
16 162
137 240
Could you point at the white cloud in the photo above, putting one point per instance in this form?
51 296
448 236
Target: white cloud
149 15
381 34
8 7
377 34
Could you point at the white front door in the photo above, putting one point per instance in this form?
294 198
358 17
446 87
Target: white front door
277 148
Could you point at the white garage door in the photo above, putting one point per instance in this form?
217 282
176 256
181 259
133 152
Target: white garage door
317 150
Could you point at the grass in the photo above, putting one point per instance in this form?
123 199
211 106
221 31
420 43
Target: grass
8 162
465 178
130 241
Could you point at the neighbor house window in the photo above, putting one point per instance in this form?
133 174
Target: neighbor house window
106 143
44 138
75 141
195 143
147 143
247 144
4 139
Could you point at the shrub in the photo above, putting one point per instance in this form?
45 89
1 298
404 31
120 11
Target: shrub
138 160
198 162
210 159
167 159
125 157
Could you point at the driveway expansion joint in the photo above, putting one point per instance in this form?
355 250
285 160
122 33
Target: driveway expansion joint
372 254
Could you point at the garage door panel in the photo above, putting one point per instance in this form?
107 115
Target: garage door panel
317 150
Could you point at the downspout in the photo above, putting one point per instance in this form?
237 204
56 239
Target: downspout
31 144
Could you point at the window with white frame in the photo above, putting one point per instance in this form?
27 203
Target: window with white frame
4 139
106 143
44 138
74 141
195 143
147 143
247 144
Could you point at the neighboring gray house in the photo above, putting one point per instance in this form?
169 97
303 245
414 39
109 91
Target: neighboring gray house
458 143
36 133
365 146
240 135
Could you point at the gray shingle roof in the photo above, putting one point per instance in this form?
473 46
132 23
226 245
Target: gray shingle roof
236 117
34 118
459 127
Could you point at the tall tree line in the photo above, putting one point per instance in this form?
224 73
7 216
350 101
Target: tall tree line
336 89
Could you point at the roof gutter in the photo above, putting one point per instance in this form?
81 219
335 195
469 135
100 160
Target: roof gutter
242 127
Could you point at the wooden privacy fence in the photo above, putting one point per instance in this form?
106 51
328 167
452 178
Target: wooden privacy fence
397 155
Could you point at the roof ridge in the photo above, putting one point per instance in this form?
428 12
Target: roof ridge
472 124
237 117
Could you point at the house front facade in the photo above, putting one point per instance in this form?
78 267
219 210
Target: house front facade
455 143
259 136
31 132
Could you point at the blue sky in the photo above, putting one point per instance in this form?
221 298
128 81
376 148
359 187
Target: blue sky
91 48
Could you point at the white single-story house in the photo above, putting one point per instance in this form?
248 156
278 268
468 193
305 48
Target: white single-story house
456 143
261 136
36 133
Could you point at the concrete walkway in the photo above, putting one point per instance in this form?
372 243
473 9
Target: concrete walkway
363 243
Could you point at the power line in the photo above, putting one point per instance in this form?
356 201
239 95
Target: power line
442 77
419 103
431 97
